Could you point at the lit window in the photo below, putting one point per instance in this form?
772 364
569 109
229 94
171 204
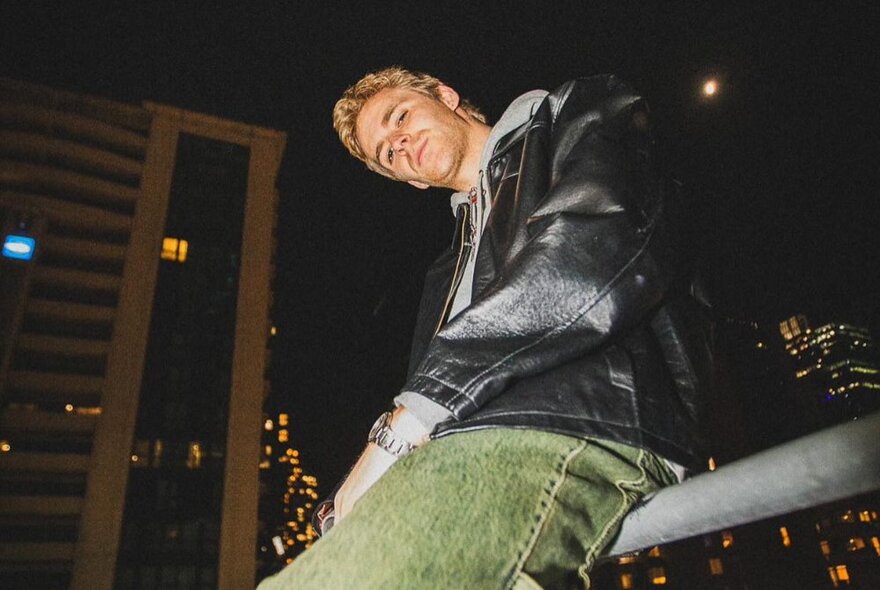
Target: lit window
268 450
875 543
626 581
786 540
654 552
282 419
726 539
194 458
865 516
626 559
855 544
174 249
715 566
5 447
848 515
712 465
657 575
832 573
282 435
842 574
825 547
268 425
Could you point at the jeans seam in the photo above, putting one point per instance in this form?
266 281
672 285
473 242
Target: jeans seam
604 536
537 527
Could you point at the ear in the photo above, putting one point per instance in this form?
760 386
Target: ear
418 184
449 97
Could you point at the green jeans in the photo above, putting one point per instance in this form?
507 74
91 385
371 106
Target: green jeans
492 509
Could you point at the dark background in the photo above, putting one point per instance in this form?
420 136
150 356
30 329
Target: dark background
781 166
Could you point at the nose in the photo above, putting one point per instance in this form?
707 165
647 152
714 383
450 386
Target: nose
400 142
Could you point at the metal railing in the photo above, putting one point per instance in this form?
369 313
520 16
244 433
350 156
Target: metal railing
829 465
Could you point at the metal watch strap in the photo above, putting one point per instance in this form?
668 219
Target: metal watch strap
386 439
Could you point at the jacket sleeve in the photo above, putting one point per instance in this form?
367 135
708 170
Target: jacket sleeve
593 263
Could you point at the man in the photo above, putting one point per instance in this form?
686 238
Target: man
558 356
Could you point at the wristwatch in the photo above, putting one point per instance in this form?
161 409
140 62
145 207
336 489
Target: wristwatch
387 439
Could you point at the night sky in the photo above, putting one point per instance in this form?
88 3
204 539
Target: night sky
781 166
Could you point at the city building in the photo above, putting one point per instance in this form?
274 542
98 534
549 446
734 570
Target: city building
289 497
834 369
134 320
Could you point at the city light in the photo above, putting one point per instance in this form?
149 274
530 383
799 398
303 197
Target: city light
174 249
786 539
19 247
710 87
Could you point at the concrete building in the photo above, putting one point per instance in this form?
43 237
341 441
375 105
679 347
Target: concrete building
133 343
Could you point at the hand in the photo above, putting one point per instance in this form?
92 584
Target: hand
374 462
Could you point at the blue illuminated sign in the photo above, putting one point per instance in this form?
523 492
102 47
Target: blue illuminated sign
19 247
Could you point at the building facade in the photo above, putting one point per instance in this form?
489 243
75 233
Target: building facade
134 341
835 369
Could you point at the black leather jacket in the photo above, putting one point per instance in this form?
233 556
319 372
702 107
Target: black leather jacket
581 321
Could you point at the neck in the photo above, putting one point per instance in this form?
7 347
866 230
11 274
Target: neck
469 175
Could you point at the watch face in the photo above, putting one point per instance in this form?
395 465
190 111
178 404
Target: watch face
377 426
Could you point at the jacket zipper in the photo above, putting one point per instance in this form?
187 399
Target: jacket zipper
465 245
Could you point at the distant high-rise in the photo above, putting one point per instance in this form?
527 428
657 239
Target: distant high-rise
836 370
133 342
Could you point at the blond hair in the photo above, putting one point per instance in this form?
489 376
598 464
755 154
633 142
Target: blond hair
347 108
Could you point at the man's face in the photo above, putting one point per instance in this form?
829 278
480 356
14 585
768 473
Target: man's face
412 137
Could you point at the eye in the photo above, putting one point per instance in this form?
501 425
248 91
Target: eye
401 119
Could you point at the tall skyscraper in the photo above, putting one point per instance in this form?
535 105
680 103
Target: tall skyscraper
133 341
835 369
